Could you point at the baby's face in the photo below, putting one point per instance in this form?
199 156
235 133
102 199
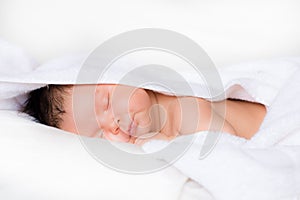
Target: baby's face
118 111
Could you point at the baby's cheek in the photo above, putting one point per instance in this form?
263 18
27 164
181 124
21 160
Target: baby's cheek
139 101
143 121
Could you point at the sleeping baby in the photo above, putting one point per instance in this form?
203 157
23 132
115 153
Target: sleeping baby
136 115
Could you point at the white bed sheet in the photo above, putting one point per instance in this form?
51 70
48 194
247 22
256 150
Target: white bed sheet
40 162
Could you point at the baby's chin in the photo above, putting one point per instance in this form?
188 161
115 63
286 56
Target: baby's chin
120 137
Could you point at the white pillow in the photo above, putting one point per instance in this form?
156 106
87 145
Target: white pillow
41 162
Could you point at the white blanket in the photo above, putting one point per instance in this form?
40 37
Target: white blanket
235 171
257 81
266 167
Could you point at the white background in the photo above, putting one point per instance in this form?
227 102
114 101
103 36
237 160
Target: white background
229 31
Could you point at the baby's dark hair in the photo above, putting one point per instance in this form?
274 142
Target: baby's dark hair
46 104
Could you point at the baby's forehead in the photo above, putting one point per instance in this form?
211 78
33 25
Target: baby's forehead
83 90
79 95
84 87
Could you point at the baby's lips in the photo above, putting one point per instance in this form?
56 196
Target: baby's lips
132 128
137 131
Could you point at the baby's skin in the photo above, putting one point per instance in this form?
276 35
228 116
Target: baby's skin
135 115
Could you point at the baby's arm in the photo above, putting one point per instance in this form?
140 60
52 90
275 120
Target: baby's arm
193 115
198 114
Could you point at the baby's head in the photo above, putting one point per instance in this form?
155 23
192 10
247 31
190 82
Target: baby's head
118 111
47 104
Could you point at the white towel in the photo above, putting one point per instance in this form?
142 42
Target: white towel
265 167
254 81
14 62
236 169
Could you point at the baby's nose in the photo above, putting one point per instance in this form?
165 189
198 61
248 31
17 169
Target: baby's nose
114 127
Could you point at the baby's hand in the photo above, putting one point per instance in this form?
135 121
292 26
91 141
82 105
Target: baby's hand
154 136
